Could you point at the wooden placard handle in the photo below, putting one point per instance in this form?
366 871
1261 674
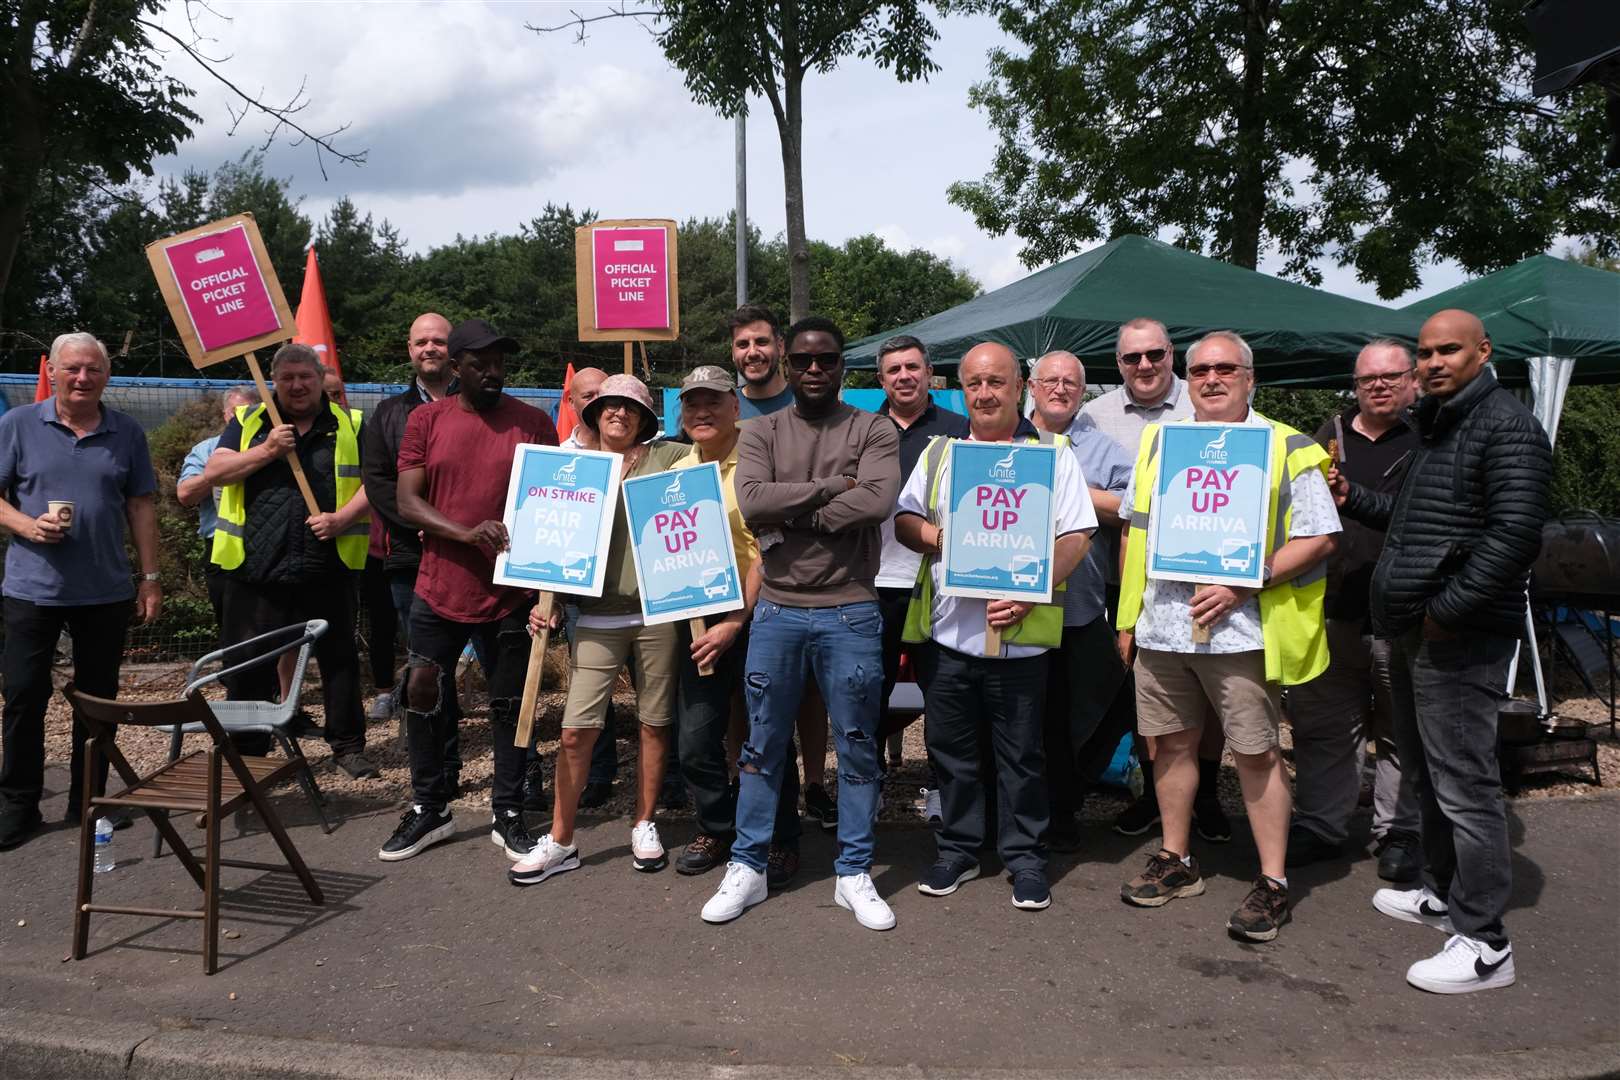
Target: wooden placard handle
992 636
531 678
700 626
629 358
275 418
1200 634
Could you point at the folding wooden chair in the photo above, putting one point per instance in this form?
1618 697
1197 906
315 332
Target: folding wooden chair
197 783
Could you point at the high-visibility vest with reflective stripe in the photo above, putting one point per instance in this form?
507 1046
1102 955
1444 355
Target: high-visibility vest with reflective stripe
1290 611
231 531
1041 628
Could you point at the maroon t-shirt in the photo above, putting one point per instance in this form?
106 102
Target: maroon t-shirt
468 458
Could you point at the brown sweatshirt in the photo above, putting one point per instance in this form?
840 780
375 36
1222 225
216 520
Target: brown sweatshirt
791 481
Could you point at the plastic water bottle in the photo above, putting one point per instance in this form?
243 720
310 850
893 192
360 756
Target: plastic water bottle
104 855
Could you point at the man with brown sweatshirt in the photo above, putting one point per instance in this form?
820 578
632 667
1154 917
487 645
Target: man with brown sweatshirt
815 483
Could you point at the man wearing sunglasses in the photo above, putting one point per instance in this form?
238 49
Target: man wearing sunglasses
1333 715
815 484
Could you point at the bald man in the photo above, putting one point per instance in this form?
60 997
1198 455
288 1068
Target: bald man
582 390
1449 593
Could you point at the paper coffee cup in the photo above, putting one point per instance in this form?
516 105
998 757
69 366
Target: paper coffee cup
62 511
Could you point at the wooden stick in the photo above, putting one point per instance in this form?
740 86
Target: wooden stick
700 626
531 678
629 361
275 418
646 365
992 636
1200 634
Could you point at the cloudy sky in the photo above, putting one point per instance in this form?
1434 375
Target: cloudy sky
472 124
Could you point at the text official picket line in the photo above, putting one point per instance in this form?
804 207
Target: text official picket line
1210 504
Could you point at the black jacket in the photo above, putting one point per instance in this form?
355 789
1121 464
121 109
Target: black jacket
1379 464
380 472
1466 524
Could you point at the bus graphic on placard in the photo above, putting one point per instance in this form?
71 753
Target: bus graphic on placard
576 565
1025 571
1236 553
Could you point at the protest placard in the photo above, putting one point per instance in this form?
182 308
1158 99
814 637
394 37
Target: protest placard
559 518
1210 507
999 533
685 562
627 282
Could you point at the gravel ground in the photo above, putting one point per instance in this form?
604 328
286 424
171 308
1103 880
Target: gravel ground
386 747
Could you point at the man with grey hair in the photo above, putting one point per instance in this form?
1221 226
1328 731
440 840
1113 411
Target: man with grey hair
283 564
76 475
190 490
1334 714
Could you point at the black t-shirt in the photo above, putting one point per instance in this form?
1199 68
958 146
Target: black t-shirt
914 439
1379 465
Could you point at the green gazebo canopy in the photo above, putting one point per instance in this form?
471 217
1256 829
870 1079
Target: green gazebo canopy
1300 335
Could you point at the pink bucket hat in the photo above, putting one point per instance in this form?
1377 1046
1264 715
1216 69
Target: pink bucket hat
626 388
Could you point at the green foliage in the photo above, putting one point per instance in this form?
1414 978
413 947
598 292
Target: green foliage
1302 410
1382 133
1586 454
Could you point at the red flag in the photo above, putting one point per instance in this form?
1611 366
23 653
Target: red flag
42 389
565 408
314 321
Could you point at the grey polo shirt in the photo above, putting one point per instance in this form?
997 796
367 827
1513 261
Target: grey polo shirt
1106 466
41 460
1119 416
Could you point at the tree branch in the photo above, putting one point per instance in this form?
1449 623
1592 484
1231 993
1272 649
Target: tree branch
85 29
578 22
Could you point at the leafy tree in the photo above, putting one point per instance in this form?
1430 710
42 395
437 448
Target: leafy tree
1382 133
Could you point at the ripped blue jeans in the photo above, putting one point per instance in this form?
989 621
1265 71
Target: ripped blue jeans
841 648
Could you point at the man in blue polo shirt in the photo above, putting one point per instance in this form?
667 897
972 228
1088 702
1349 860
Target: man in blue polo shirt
73 475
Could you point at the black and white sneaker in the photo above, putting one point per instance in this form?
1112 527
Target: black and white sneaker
820 806
946 876
508 832
418 830
1414 906
1463 966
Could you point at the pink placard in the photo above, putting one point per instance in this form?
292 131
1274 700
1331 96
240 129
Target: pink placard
222 288
631 270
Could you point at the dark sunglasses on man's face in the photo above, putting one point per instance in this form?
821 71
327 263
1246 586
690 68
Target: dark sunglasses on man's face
826 361
1132 359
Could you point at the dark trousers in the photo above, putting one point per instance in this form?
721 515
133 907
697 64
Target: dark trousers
438 642
703 715
384 620
32 631
402 586
1085 708
1444 697
963 696
892 605
214 577
252 609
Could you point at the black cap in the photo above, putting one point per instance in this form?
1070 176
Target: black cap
474 334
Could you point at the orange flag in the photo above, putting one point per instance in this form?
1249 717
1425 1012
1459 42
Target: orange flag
314 321
565 408
42 389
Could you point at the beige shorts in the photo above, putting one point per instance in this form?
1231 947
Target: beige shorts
1177 691
595 659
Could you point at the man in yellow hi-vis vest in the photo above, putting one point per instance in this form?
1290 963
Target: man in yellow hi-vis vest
1257 642
967 693
282 564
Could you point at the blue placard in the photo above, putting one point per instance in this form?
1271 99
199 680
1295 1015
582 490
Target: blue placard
559 518
685 561
1210 504
999 531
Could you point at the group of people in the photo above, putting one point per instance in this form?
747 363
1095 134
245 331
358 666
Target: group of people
1398 541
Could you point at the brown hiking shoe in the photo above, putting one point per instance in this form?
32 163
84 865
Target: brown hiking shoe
781 863
1164 879
1262 912
703 853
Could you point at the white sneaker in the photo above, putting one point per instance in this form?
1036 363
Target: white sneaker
930 806
382 706
1414 906
1463 966
547 858
646 852
857 893
740 889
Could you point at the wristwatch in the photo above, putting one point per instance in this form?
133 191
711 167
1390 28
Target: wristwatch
1265 576
149 577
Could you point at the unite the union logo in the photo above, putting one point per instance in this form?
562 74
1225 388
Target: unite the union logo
564 476
1214 451
673 495
1003 469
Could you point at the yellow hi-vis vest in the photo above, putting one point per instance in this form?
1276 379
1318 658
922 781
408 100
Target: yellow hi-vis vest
231 530
1041 628
1290 611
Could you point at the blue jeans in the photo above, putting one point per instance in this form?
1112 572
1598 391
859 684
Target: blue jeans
841 648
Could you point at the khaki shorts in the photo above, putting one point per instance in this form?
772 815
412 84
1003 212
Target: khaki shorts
595 659
1176 691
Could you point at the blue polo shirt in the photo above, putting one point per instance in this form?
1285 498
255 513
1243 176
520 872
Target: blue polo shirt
1106 466
41 460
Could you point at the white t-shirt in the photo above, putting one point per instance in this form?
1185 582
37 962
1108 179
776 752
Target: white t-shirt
958 621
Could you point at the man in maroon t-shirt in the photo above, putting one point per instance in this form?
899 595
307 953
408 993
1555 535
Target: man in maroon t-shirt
454 462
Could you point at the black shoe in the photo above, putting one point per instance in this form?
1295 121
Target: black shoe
418 830
509 833
1262 912
1306 847
781 864
596 794
1400 857
1030 891
303 726
534 787
946 876
820 806
1063 834
1210 820
18 824
703 853
1137 818
357 765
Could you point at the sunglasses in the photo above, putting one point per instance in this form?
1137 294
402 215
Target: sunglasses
1394 378
826 361
1132 359
1222 371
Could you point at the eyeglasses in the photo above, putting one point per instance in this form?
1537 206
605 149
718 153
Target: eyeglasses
1132 359
1220 371
1070 385
616 405
1389 378
826 361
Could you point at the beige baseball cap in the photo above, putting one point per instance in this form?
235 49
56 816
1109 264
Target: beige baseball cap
708 377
